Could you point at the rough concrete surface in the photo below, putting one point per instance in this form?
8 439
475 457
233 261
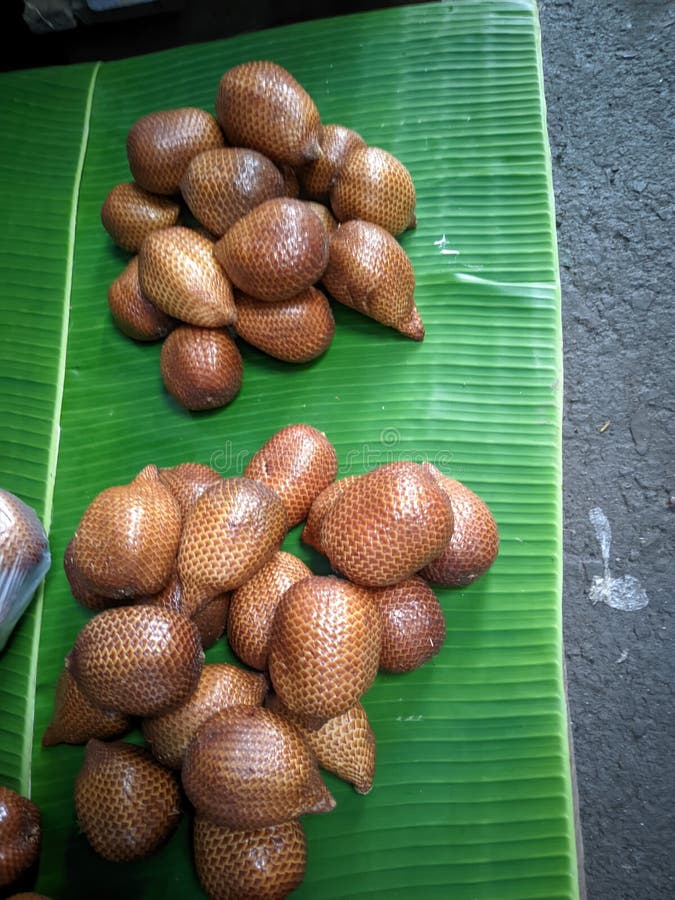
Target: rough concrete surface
608 72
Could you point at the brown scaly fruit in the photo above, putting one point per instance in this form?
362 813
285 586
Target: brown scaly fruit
220 686
161 145
291 183
474 543
20 835
297 462
413 624
177 272
344 745
239 741
220 186
201 367
253 605
325 647
126 542
126 803
187 482
369 271
311 533
235 528
264 863
276 251
139 660
131 310
337 142
326 216
296 330
261 105
386 525
130 213
376 187
75 719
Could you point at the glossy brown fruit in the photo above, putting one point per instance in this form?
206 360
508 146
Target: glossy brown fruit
235 528
187 482
474 543
201 367
130 213
295 330
177 272
220 186
20 835
265 863
211 619
261 105
413 624
127 804
297 462
369 271
344 745
220 686
131 310
311 533
75 719
376 187
161 145
337 142
291 183
386 525
325 647
249 768
326 216
276 251
126 542
139 660
253 605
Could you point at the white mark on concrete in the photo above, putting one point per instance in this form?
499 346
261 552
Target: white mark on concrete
623 657
625 593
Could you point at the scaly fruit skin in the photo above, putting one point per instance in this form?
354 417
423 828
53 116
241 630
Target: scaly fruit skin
260 105
249 768
131 310
386 525
187 482
276 251
374 186
344 745
126 542
311 533
295 330
20 835
265 863
297 462
139 660
325 647
413 624
326 216
75 719
474 543
253 605
291 183
220 186
235 528
337 142
220 686
161 145
201 367
126 803
177 272
369 271
129 214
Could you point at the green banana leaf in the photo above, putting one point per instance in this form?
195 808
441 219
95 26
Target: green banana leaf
472 796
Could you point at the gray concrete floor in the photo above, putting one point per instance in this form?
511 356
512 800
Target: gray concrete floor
608 71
